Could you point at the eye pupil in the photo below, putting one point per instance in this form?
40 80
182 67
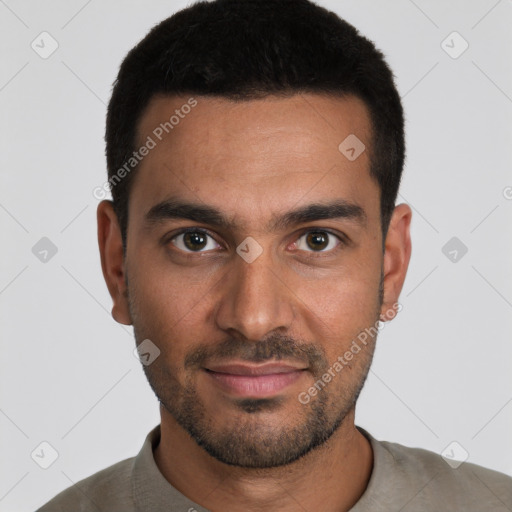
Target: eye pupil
193 239
317 237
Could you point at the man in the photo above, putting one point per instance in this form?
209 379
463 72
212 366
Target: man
254 151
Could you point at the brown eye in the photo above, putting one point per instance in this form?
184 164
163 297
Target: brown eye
194 241
318 241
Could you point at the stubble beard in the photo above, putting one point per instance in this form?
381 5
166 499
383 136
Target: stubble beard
250 442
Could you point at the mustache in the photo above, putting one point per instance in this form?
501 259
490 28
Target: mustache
275 347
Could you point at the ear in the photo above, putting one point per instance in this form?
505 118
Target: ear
112 260
397 253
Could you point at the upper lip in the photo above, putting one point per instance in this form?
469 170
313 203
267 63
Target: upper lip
251 369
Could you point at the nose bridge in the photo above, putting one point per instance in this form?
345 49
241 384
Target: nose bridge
254 301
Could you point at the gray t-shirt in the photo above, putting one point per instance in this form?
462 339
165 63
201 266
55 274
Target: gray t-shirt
403 479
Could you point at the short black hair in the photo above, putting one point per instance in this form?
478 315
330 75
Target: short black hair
248 49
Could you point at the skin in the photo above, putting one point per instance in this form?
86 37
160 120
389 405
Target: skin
254 160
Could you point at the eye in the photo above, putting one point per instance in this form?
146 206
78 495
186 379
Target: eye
318 241
194 240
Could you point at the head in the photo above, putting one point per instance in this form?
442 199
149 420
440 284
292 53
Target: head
272 132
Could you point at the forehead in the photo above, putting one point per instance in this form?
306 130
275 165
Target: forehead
243 157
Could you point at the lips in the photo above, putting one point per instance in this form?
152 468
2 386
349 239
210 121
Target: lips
245 369
256 381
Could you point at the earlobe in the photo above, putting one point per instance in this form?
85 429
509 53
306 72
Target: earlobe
112 260
397 255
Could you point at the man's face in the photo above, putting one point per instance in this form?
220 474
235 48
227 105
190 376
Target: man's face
225 300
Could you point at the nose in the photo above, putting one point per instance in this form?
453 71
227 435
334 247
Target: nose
255 300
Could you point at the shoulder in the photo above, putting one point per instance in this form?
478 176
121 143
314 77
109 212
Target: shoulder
447 484
107 490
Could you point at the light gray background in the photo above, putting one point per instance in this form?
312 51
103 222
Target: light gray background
442 369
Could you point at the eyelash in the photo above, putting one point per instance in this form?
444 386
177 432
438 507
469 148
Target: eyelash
313 254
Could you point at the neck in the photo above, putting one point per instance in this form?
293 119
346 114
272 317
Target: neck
330 478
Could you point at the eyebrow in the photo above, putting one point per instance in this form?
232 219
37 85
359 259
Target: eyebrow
197 212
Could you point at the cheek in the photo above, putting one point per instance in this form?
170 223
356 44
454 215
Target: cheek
337 310
346 295
169 307
163 290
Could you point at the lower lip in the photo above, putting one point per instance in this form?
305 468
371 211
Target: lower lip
257 386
